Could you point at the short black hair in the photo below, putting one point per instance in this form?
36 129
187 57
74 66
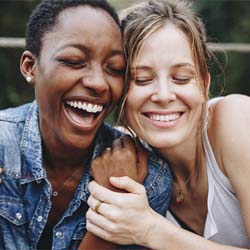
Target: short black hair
44 17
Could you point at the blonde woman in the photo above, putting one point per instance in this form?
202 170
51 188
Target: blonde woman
205 143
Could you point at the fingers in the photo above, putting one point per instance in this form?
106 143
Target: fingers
105 210
117 144
124 142
129 143
103 194
128 184
93 228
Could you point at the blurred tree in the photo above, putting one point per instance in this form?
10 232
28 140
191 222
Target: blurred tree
13 17
228 21
225 20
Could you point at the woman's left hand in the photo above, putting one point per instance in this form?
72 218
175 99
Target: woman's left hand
123 218
126 157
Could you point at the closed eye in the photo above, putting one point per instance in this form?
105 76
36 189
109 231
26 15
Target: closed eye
143 81
73 63
115 71
181 80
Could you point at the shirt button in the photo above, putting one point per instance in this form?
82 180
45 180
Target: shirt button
39 218
58 234
18 216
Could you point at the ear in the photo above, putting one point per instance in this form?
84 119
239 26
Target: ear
27 66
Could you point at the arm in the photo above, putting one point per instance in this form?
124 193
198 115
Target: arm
128 219
124 159
230 137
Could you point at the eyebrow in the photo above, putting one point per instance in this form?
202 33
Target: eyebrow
81 47
180 65
140 68
86 50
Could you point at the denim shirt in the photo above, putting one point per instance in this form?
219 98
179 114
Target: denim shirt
25 191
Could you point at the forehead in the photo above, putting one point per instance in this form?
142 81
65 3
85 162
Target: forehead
168 44
85 24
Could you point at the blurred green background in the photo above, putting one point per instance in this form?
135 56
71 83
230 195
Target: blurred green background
227 21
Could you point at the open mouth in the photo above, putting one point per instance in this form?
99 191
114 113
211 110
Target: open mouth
83 113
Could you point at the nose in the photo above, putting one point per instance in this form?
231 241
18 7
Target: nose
163 92
95 80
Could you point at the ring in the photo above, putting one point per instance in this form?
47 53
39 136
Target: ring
108 149
97 206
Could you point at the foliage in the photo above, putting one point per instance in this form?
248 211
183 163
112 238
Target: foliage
227 21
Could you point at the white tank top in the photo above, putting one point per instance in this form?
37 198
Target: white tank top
224 223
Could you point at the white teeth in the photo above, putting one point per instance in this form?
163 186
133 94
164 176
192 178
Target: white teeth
165 118
89 107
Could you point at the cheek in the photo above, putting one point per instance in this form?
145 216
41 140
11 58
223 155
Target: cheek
116 90
131 112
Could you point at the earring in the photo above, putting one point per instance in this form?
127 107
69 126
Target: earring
28 79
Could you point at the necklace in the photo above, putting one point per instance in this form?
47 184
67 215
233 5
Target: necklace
55 193
179 196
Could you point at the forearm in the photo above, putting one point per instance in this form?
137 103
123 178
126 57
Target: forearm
90 241
166 236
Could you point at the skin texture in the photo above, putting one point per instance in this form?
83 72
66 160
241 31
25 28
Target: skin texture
126 158
159 86
164 86
81 59
78 61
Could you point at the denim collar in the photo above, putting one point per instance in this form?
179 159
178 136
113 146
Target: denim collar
31 151
31 147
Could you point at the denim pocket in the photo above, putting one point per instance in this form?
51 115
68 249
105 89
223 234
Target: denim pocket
12 209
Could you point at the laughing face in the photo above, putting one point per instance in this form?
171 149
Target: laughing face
164 101
79 76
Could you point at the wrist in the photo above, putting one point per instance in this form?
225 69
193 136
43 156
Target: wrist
153 228
161 234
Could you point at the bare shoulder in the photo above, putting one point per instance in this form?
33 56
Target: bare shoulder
230 112
230 136
228 130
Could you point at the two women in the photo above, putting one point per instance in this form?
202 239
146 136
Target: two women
74 60
206 143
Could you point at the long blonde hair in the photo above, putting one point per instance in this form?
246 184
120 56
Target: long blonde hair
141 20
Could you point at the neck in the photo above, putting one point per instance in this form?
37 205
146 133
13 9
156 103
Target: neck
54 161
184 160
61 157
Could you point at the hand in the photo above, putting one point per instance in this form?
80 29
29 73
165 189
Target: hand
123 218
125 158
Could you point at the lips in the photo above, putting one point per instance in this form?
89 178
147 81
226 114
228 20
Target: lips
163 120
82 113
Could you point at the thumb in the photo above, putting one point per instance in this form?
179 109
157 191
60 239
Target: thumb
128 184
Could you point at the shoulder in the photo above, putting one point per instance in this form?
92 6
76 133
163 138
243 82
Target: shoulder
14 115
235 104
229 114
228 129
11 129
11 122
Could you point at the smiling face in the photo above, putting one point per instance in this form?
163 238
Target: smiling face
78 77
164 102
